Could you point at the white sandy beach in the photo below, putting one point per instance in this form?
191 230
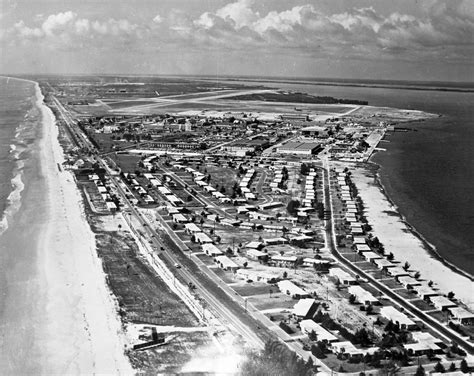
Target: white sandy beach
80 332
394 234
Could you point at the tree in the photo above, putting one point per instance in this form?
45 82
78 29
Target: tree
390 256
452 367
430 283
245 264
464 367
369 309
406 266
285 275
439 368
417 275
292 207
352 299
304 170
450 295
313 336
420 371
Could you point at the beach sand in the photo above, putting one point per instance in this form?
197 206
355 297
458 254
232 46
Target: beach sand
83 332
59 316
397 238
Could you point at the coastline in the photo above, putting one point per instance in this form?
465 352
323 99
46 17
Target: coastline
404 241
430 248
77 288
58 315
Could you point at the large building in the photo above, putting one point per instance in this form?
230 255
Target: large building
300 148
246 146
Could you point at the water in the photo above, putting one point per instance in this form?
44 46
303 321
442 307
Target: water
22 203
428 174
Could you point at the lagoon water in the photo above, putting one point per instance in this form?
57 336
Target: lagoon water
428 174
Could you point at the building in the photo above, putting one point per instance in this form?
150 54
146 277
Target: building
300 148
289 288
191 228
408 282
211 250
309 326
275 241
226 263
202 238
462 316
258 275
342 276
284 261
397 317
305 308
442 303
255 254
363 296
242 147
179 218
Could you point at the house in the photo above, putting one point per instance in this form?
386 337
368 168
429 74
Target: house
284 261
362 248
258 275
202 238
211 250
425 292
254 245
346 347
191 228
342 276
305 308
255 254
425 343
359 240
317 263
441 302
462 316
226 263
289 288
270 205
383 264
362 296
179 218
111 206
371 256
397 271
397 317
408 282
275 241
308 326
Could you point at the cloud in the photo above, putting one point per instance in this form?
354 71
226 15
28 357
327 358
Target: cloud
57 21
442 30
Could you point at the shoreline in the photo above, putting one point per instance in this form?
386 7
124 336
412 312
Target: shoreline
430 248
68 321
401 238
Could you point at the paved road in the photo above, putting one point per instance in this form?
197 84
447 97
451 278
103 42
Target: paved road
223 312
332 244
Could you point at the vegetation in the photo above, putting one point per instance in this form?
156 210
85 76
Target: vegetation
275 360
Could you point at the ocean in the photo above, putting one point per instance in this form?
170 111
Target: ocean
23 211
428 174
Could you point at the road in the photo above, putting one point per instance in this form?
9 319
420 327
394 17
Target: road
229 318
436 326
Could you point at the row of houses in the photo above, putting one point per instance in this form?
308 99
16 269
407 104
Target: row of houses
245 185
104 193
309 192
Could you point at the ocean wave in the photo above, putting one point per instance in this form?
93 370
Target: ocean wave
13 199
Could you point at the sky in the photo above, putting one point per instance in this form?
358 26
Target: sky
380 39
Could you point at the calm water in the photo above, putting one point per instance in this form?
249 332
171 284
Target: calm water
428 174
